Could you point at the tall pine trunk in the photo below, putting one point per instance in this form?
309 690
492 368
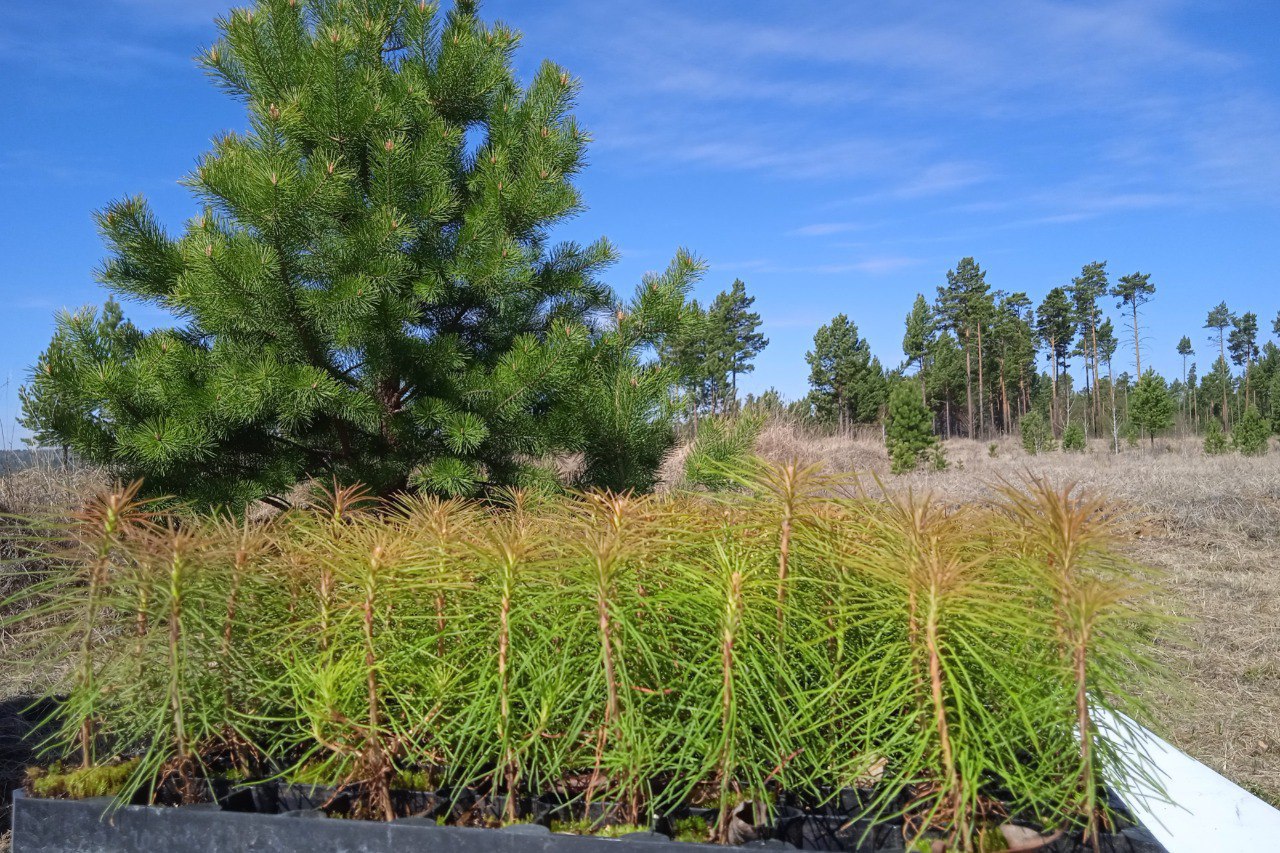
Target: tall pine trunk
981 392
968 382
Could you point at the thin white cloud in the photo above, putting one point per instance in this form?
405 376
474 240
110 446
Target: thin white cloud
903 103
870 265
825 229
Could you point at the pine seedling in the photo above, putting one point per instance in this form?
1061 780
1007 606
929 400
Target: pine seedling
441 573
732 690
1066 532
170 701
960 704
506 637
100 527
352 695
336 508
1069 539
607 536
788 490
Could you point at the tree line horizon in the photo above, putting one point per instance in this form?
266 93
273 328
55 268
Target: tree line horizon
984 358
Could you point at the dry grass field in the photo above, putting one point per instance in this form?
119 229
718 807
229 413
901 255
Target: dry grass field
1211 525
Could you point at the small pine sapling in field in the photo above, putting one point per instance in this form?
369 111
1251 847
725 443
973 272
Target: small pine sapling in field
1036 435
993 450
938 458
1249 434
1215 440
1151 406
909 430
1073 439
722 447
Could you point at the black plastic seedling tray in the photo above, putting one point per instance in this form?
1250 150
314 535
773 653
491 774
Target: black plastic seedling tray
94 826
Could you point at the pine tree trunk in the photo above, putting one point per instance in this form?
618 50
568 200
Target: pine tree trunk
1186 400
1097 394
981 392
1053 397
1222 355
1137 350
1004 400
1115 425
968 383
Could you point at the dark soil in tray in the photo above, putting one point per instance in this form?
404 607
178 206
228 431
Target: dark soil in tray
834 822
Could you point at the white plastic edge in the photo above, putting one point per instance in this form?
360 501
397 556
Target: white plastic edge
1201 810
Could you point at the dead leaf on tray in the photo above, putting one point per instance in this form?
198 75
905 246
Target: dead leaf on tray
1021 838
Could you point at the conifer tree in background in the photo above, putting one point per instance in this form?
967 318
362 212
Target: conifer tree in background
922 329
1073 438
1013 344
1250 433
1056 327
964 306
685 355
945 379
1151 405
1215 441
908 428
369 292
1193 389
1242 343
1107 346
712 347
1086 289
1037 437
736 325
1220 317
1185 350
848 384
1132 292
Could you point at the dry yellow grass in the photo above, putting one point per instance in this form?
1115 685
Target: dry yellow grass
1210 524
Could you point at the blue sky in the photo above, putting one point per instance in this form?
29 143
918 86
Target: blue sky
838 157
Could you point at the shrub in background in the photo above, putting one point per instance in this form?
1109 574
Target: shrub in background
908 429
1250 433
1036 435
1215 440
1073 438
721 447
1151 405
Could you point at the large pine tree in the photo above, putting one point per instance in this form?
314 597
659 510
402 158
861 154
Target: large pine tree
736 327
848 383
370 291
